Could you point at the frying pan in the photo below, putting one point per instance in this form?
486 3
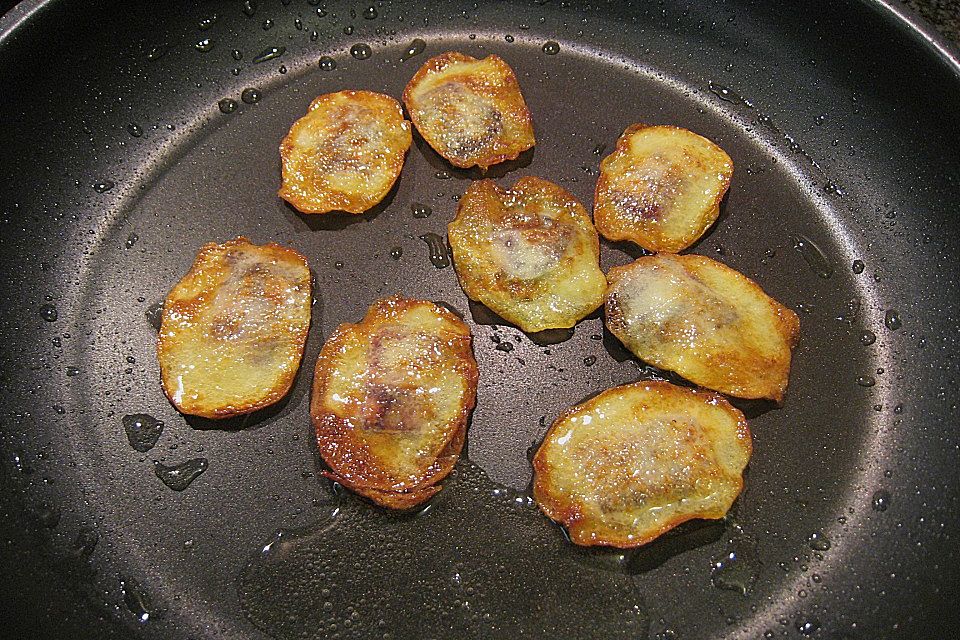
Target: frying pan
119 163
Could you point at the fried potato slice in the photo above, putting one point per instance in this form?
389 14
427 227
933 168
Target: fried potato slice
391 398
661 187
530 253
345 154
637 460
470 111
233 329
705 321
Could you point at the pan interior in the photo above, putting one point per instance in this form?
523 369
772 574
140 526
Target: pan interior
480 559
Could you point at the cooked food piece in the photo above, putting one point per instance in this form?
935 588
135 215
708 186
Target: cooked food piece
635 461
710 324
391 397
470 111
661 188
530 253
233 329
345 154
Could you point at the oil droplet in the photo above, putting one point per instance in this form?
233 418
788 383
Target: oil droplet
131 240
314 35
227 105
249 8
589 361
734 571
338 265
867 338
438 250
72 372
361 51
442 175
866 381
270 53
156 53
251 95
178 477
143 431
327 63
48 312
808 627
508 38
206 23
348 30
414 49
814 256
86 542
137 600
396 253
267 24
892 319
154 314
46 514
420 210
506 346
370 13
724 93
134 130
818 541
298 24
599 149
551 48
204 45
833 188
858 266
881 500
103 186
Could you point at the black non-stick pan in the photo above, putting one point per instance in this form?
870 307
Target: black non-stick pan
132 133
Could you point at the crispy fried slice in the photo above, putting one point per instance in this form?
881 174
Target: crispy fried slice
637 460
470 111
233 329
530 253
391 397
345 154
661 188
705 321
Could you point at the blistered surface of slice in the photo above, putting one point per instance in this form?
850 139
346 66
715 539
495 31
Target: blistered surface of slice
705 321
637 460
470 111
233 329
530 253
661 188
345 154
391 398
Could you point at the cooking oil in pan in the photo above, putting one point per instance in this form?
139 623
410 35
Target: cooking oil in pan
439 257
178 477
479 562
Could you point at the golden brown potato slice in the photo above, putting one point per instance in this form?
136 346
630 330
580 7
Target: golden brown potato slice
345 154
391 397
233 329
705 321
637 460
661 188
470 111
530 253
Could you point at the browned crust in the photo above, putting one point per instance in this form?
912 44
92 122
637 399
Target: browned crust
609 224
508 95
330 201
350 462
567 513
171 307
788 326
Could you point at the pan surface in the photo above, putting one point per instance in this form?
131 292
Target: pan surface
134 135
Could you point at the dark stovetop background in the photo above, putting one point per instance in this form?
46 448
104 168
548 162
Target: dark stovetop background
943 14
